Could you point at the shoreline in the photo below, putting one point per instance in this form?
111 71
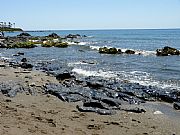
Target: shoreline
46 114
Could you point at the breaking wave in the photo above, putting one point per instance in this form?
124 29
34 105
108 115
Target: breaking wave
142 78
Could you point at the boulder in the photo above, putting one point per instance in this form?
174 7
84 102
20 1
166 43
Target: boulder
53 35
176 105
73 36
130 52
167 51
26 65
110 50
103 50
24 35
64 76
24 60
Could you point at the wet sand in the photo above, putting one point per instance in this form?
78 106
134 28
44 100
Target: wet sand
41 114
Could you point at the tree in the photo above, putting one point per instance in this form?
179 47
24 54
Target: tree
9 24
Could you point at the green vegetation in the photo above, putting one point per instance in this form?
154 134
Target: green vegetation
10 29
22 45
55 44
61 45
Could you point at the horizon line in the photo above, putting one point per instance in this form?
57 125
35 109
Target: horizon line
105 29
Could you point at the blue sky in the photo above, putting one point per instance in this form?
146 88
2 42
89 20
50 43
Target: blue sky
91 14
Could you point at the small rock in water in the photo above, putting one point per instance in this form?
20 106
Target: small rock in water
130 52
24 60
167 51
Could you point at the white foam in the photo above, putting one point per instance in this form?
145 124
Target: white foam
145 79
95 47
77 43
77 63
82 43
158 112
99 73
142 78
6 58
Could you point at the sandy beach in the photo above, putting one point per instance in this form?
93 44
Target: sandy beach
41 113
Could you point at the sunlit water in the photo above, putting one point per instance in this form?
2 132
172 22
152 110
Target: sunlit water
146 69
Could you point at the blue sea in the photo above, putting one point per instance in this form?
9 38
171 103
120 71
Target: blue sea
84 59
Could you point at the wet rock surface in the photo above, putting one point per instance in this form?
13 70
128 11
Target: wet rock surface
24 35
176 105
100 95
11 88
167 51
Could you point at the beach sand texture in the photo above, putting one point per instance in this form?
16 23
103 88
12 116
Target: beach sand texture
41 114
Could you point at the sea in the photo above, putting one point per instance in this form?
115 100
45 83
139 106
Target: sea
144 67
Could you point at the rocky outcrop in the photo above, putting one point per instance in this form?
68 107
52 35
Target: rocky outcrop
55 44
21 45
176 105
53 35
24 35
2 45
73 36
26 65
167 51
113 50
10 88
106 50
130 52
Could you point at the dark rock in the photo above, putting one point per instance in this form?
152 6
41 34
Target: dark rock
2 45
130 52
167 51
2 65
24 60
119 51
103 50
96 110
94 104
94 85
10 89
111 102
135 110
26 65
112 51
53 35
108 51
63 76
24 35
20 53
176 105
73 36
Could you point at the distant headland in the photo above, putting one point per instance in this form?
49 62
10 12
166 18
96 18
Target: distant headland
8 26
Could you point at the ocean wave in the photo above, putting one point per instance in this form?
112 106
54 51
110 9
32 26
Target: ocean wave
77 43
139 77
5 58
99 73
82 63
137 52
